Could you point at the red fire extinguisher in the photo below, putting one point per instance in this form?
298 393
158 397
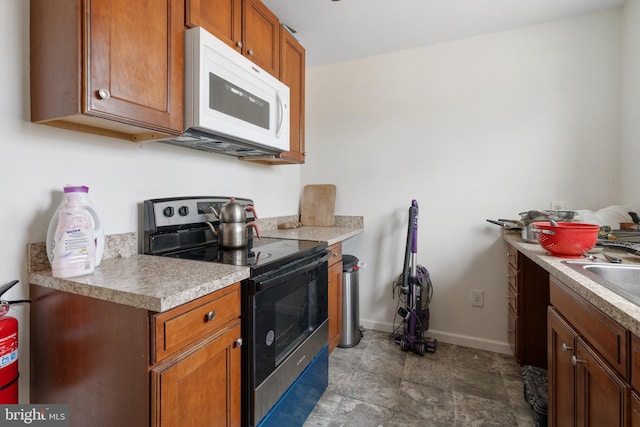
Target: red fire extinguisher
8 350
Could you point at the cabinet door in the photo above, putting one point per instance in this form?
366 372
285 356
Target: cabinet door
602 397
532 302
561 388
292 71
635 410
134 58
261 36
222 18
200 387
335 305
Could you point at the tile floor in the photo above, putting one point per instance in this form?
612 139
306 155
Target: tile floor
376 384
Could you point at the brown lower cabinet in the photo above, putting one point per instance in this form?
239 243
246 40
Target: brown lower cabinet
335 296
196 389
527 299
635 409
561 394
116 365
589 370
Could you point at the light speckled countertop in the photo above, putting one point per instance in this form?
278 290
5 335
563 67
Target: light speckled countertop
144 281
344 228
618 308
158 283
330 235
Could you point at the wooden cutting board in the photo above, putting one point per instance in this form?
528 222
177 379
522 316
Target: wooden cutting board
318 205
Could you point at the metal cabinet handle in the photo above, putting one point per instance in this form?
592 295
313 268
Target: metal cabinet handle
104 94
565 347
209 316
575 360
239 43
250 51
239 342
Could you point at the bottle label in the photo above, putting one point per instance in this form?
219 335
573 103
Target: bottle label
74 251
76 240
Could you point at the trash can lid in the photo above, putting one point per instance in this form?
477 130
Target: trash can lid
348 262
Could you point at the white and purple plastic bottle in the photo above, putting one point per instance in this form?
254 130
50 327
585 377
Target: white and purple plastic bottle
81 197
74 249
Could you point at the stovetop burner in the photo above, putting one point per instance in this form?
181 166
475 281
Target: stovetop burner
265 253
176 227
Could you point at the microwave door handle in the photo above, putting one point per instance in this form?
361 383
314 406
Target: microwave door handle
282 278
280 114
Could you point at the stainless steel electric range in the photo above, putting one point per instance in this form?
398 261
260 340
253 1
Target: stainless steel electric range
284 304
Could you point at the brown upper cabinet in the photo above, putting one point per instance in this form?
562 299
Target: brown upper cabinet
116 67
246 25
292 72
110 67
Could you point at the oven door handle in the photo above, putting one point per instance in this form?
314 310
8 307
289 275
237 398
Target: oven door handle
277 279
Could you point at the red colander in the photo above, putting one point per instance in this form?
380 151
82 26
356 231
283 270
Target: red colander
566 239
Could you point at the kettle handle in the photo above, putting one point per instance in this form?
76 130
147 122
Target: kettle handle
252 209
255 227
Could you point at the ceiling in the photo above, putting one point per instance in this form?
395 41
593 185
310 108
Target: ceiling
336 31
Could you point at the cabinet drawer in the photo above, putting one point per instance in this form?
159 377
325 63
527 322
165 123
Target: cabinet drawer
512 324
512 297
513 279
603 333
336 253
512 255
173 330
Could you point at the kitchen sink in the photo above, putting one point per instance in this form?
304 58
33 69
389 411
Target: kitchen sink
623 279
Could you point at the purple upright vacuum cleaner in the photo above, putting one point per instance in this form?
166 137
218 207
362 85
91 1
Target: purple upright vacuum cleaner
415 292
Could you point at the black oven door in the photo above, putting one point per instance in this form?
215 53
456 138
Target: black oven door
288 306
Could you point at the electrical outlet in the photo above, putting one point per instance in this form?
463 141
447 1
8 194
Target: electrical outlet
559 206
477 298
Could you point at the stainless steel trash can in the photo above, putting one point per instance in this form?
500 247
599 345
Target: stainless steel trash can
351 332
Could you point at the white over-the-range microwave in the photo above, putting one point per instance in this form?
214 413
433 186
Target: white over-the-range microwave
232 106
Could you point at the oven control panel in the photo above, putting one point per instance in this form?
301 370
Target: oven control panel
179 211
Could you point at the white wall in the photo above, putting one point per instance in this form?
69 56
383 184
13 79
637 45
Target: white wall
484 127
630 135
36 161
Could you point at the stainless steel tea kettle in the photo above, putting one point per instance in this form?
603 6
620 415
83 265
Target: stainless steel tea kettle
232 231
234 235
233 211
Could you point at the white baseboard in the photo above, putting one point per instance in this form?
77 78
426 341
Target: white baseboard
449 338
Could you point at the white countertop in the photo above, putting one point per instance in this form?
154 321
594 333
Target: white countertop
620 309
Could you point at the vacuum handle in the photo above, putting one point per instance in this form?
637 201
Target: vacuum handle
413 212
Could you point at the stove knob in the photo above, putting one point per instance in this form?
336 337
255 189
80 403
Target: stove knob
168 211
183 211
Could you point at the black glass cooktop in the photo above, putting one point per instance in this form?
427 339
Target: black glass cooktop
263 254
